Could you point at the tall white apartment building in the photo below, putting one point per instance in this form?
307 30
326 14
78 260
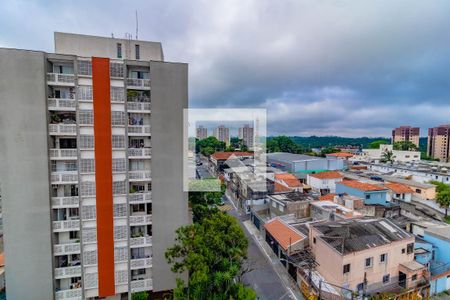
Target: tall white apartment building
91 148
201 132
246 134
222 133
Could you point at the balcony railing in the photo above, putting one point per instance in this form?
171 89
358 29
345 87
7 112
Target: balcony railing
62 129
61 79
138 83
138 106
140 197
142 241
69 225
141 285
73 294
67 272
140 263
66 249
140 220
139 175
65 202
139 152
62 104
138 129
63 154
64 177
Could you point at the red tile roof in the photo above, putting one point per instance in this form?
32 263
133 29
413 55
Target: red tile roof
327 197
283 233
2 260
226 155
289 179
361 185
340 154
279 188
399 188
327 175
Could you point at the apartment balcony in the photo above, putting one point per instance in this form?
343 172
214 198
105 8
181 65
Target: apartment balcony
138 107
140 263
137 198
56 104
139 220
139 153
60 79
141 285
63 154
139 175
139 130
65 202
66 249
72 294
142 241
69 177
142 84
64 226
63 129
67 272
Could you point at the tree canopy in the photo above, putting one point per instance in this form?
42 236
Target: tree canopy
212 251
283 144
376 144
405 146
209 145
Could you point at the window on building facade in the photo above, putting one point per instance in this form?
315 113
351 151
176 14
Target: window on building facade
368 262
410 248
386 278
137 51
119 50
383 258
414 277
367 196
346 269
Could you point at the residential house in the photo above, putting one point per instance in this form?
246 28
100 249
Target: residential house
283 238
366 255
217 160
289 181
290 203
398 191
370 193
331 211
324 182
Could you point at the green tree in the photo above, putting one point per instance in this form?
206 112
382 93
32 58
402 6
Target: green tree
209 145
387 156
376 144
405 146
329 150
440 186
139 296
212 252
283 144
443 199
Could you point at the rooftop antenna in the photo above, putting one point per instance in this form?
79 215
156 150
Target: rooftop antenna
137 25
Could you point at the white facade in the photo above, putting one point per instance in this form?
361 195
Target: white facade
397 155
322 184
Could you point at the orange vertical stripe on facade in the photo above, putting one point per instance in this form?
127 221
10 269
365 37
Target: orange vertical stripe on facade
103 175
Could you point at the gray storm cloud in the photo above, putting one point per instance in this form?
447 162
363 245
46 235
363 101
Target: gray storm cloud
320 67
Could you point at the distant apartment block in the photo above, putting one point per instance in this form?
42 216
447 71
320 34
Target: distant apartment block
201 132
87 158
246 134
438 142
222 133
406 133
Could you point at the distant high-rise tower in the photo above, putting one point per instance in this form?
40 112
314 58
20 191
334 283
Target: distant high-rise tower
438 142
222 133
406 133
87 156
202 132
246 134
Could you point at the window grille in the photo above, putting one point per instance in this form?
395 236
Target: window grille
121 277
90 280
120 232
119 187
117 94
120 210
88 212
89 235
118 118
116 70
90 257
87 141
86 117
120 254
87 188
84 67
119 165
85 92
118 141
87 165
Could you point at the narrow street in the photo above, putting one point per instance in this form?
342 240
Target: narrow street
263 278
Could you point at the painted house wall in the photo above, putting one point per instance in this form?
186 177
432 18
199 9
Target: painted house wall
441 251
370 197
319 184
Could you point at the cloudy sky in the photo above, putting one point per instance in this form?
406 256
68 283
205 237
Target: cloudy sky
323 67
